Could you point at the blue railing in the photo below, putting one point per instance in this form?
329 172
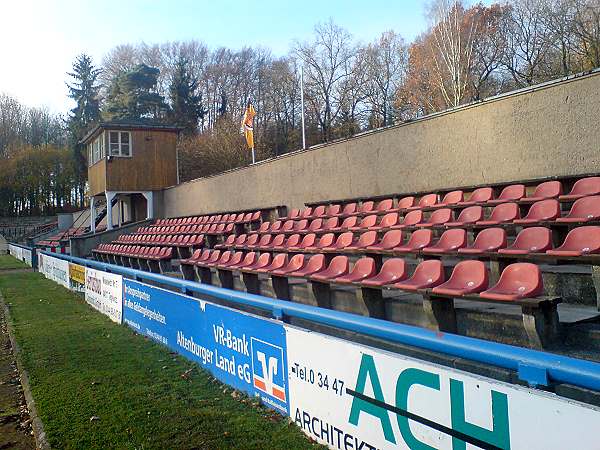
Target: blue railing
534 367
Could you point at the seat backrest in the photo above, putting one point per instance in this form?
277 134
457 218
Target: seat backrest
490 238
586 186
277 225
306 212
533 239
349 208
296 262
406 202
544 209
391 239
308 240
230 240
196 255
389 220
429 271
367 206
225 257
512 192
470 274
333 209
316 263
523 278
264 227
420 239
454 238
214 256
338 265
278 240
205 255
384 205
293 240
315 225
471 214
253 239
225 218
319 211
265 239
366 239
585 239
413 218
344 240
294 213
300 225
440 216
368 221
548 189
394 268
349 222
279 261
428 200
364 267
236 258
255 216
505 212
263 260
453 197
587 207
332 222
326 240
249 259
288 225
241 239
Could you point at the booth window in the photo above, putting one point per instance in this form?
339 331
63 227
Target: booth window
120 143
96 150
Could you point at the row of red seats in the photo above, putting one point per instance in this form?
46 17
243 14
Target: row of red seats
517 281
175 240
239 218
579 241
136 251
585 209
215 228
481 196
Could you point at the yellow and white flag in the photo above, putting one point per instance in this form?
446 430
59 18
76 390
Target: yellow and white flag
247 125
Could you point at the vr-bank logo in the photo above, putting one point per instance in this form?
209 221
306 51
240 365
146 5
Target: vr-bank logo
267 369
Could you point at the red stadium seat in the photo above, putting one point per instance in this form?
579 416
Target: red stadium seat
292 241
505 212
262 261
288 225
365 223
508 194
387 221
251 242
579 241
343 241
299 226
240 240
294 214
364 241
391 239
452 198
295 263
583 188
384 205
264 242
542 211
545 190
468 277
437 217
348 209
331 223
467 216
279 261
315 264
235 259
417 241
410 220
393 270
428 274
347 223
584 209
488 240
319 211
264 228
530 240
224 259
315 225
228 242
363 268
519 280
248 260
337 267
306 212
214 257
426 201
333 210
366 208
450 241
325 240
277 241
405 203
307 241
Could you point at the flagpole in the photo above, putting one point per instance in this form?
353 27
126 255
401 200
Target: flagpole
302 105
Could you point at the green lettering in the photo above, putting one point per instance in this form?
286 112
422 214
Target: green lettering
500 433
368 370
408 378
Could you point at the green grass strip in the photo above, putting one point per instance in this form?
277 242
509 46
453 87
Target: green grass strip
81 365
8 262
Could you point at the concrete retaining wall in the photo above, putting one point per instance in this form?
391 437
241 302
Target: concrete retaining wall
548 130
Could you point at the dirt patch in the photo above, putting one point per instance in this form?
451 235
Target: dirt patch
15 423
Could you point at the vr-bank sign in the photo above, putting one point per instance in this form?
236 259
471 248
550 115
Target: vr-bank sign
104 292
349 396
242 350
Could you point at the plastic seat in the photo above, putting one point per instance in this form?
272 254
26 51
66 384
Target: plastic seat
264 242
410 220
426 201
344 240
294 214
295 263
248 260
315 225
468 277
346 224
307 241
583 188
405 203
530 240
251 242
348 209
299 226
325 240
428 274
363 241
223 259
288 225
365 223
236 258
417 241
292 241
545 190
579 241
365 208
337 267
393 270
363 268
315 264
467 216
583 210
278 261
391 239
437 217
306 212
542 211
505 212
228 242
450 240
262 261
331 223
509 194
333 210
384 205
319 211
264 228
276 242
452 198
488 240
387 221
517 281
240 240
212 259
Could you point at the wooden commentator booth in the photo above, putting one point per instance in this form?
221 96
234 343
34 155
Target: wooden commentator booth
127 162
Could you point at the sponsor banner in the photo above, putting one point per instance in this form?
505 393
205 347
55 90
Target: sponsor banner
104 292
349 396
77 277
15 251
54 269
242 350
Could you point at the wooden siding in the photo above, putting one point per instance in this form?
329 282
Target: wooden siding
97 178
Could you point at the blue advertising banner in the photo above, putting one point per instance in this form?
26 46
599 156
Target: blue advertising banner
244 351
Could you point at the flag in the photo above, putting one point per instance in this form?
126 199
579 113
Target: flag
247 127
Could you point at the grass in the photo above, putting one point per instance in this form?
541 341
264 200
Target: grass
8 262
81 365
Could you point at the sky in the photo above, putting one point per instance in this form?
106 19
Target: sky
40 39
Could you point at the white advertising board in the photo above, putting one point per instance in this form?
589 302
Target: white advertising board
15 251
104 292
54 269
349 396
